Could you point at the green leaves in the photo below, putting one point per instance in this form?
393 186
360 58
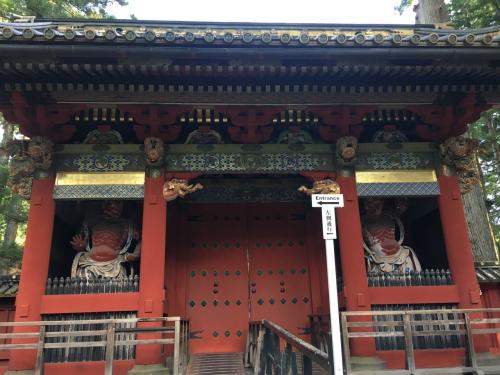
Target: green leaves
403 5
474 13
57 8
10 255
467 14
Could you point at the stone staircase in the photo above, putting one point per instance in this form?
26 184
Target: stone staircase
216 364
375 366
232 363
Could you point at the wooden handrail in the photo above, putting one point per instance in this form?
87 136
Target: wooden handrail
93 321
263 351
417 312
316 355
105 338
462 327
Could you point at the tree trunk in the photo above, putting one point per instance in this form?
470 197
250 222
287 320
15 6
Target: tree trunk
431 12
479 227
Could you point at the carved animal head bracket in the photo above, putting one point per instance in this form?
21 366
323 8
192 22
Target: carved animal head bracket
154 152
327 186
347 151
28 160
458 152
176 187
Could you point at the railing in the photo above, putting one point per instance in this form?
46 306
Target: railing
321 337
9 285
107 338
76 285
265 356
425 342
462 322
410 278
81 354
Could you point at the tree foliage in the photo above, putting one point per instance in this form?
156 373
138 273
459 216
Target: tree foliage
401 7
57 8
474 13
466 14
13 216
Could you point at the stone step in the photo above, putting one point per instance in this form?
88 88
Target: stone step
216 364
367 363
488 363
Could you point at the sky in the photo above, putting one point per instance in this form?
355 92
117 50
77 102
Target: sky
296 11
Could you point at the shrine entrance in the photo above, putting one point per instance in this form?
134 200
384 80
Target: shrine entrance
245 262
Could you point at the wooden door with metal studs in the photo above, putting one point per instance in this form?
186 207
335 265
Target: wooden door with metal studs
246 262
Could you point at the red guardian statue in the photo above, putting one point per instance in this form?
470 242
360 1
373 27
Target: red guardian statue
383 251
103 244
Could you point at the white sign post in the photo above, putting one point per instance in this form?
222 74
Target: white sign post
328 203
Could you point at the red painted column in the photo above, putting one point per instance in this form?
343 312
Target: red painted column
151 285
353 260
35 266
458 248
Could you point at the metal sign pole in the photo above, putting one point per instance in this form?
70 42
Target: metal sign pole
328 204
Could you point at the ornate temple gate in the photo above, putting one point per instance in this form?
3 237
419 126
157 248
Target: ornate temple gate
245 262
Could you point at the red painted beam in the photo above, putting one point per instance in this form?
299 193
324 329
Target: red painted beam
413 295
86 303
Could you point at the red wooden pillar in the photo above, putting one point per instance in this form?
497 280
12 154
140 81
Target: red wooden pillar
35 266
353 260
458 248
151 286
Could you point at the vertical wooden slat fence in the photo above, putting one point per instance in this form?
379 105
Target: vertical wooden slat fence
107 339
460 322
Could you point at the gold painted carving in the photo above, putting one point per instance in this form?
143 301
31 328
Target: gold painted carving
178 188
327 186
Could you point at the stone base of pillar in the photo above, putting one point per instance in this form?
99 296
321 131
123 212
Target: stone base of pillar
148 370
367 363
22 372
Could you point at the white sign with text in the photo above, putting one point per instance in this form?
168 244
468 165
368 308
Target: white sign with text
327 200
